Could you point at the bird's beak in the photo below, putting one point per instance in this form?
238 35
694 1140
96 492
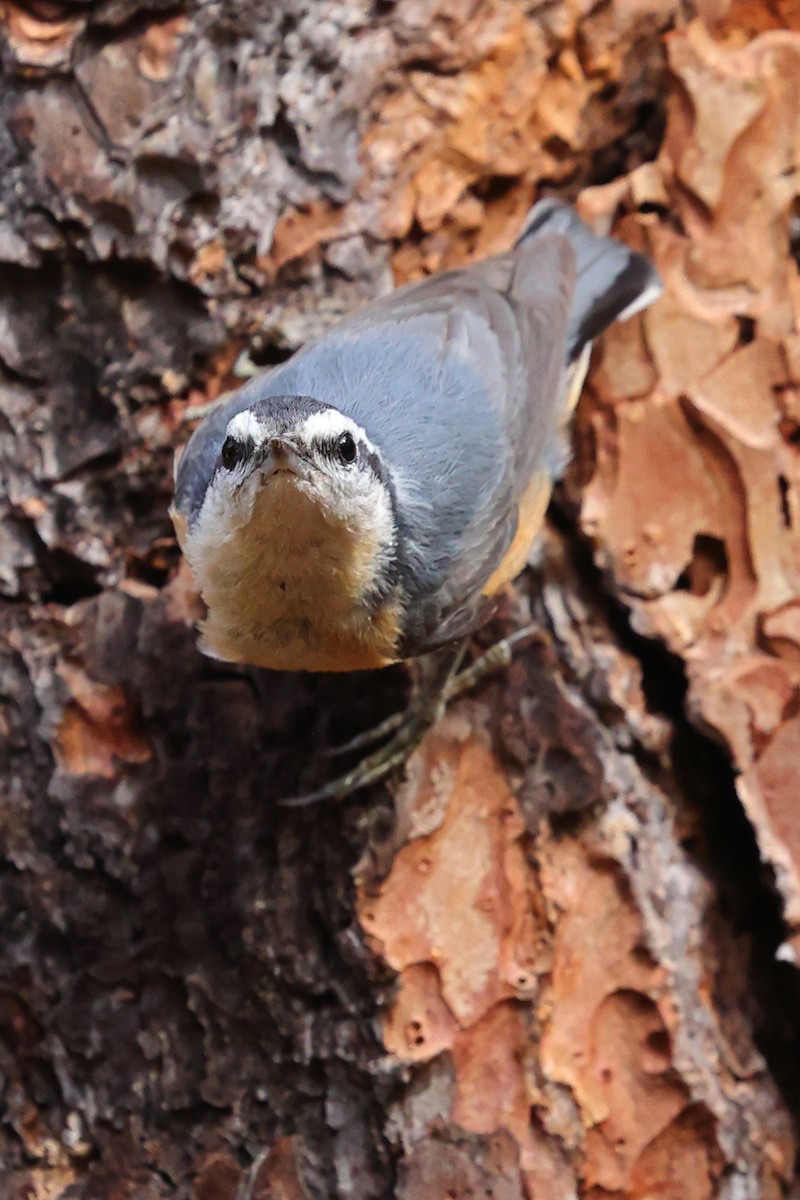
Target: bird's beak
280 459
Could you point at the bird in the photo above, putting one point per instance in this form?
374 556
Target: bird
368 500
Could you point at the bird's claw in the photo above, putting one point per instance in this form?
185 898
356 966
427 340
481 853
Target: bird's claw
411 729
410 726
369 737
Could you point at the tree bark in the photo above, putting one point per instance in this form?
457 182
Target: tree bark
558 957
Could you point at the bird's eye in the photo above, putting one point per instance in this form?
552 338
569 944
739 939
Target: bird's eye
233 452
346 448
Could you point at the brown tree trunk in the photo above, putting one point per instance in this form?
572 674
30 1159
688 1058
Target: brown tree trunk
558 959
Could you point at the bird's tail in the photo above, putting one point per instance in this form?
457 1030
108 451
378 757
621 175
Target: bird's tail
613 282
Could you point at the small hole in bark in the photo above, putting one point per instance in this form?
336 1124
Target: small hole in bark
709 562
557 147
747 330
786 512
658 1042
494 187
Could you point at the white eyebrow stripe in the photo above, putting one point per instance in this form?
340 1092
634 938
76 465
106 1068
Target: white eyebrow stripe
329 423
245 425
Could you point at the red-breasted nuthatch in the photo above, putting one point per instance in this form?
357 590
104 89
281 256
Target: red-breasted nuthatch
366 501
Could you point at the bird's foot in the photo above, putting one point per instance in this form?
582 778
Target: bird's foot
410 726
494 659
369 737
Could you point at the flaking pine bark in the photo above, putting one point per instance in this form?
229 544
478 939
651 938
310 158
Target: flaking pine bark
557 958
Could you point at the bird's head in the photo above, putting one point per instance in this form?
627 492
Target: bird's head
294 442
295 477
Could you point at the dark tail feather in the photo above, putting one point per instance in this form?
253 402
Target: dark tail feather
613 282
